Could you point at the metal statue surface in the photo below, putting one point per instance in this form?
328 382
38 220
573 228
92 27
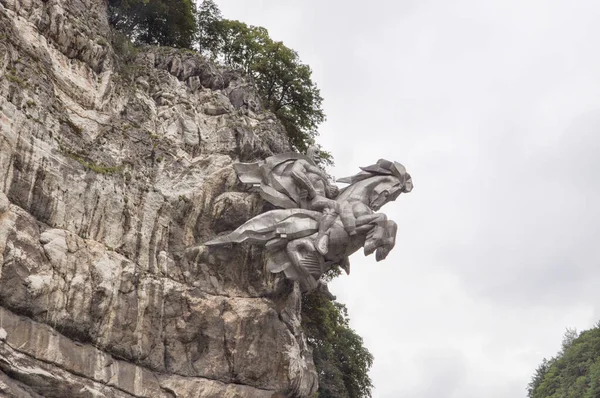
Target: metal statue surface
319 225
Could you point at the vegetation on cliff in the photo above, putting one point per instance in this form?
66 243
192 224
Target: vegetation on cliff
286 88
282 80
574 372
168 23
341 360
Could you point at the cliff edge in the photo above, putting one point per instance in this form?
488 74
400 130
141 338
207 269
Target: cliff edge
115 167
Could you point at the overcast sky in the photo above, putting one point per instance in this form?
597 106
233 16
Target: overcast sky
493 106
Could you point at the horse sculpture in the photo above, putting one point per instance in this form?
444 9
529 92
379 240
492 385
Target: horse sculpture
292 235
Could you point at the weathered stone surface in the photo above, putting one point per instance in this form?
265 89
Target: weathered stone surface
111 178
4 203
43 361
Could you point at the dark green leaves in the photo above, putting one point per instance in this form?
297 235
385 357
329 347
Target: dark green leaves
208 28
283 81
285 84
574 373
340 358
165 22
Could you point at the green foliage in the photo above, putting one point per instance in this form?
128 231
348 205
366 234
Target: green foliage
286 86
574 373
75 128
283 81
241 45
341 360
96 168
208 28
15 79
538 377
124 48
165 22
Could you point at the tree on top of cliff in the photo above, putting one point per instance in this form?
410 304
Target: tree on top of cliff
574 372
283 81
286 88
209 17
165 22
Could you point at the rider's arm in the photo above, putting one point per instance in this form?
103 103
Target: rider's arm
315 170
331 191
298 173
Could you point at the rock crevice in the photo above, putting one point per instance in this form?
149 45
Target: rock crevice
113 172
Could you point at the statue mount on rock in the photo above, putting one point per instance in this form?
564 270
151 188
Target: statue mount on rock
318 225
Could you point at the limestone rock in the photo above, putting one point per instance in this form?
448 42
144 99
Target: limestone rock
111 178
4 203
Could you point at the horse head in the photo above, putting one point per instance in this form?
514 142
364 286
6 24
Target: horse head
377 184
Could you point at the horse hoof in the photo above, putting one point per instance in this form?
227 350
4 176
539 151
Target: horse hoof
322 243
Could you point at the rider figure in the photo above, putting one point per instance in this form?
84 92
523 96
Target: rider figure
320 194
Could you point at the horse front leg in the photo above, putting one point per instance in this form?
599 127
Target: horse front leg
368 221
355 216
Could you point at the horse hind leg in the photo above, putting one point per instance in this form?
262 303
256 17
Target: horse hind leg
327 221
308 264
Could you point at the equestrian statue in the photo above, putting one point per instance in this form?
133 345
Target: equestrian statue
318 225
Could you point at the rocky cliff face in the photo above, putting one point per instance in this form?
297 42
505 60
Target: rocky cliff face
115 166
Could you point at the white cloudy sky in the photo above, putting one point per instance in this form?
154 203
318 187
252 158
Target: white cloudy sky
494 108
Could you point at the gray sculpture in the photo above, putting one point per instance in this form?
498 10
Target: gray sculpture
319 225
